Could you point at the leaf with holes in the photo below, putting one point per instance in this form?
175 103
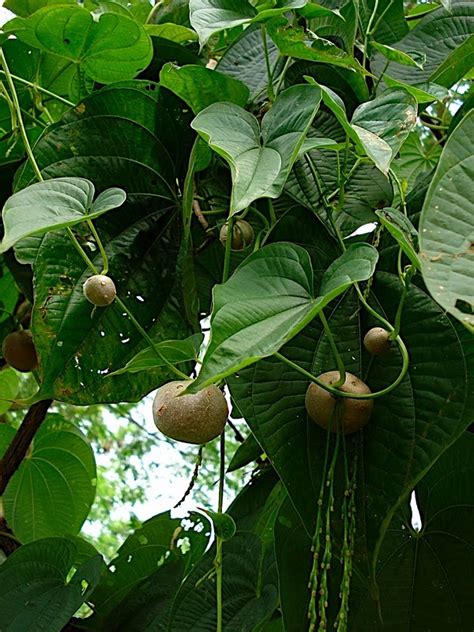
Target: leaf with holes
260 158
112 48
57 203
268 300
53 489
43 585
447 227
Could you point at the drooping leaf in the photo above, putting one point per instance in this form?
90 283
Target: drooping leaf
54 204
38 591
268 300
260 159
402 230
174 32
294 41
437 35
414 59
447 228
112 48
174 351
247 452
456 65
199 87
423 571
54 488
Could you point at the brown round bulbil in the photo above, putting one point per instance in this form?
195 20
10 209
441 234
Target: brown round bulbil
99 290
377 341
192 418
242 234
341 414
19 351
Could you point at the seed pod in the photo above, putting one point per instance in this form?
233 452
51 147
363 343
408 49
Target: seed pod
99 290
242 234
192 418
340 414
19 351
376 341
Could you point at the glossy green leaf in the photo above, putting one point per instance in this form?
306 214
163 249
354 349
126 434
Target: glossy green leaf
402 230
423 571
54 488
174 32
200 87
211 16
174 351
268 300
294 41
437 35
131 134
247 452
447 228
112 48
42 587
224 524
260 158
56 203
423 93
456 65
388 22
9 384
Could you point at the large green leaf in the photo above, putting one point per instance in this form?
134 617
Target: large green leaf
54 204
245 60
260 158
111 48
409 428
54 488
437 35
9 384
268 300
199 87
211 16
388 23
43 585
127 134
421 575
447 226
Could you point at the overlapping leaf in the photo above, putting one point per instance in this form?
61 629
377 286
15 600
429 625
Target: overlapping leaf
260 158
268 300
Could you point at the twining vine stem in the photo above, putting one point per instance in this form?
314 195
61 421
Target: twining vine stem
77 245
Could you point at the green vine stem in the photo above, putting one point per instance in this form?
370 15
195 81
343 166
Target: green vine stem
103 254
335 351
40 89
219 541
270 91
77 245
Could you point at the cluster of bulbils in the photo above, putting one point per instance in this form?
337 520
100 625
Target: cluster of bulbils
197 418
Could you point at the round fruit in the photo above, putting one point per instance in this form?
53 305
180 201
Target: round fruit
341 414
19 351
242 234
377 341
192 418
99 290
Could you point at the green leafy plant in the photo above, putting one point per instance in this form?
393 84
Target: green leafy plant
263 211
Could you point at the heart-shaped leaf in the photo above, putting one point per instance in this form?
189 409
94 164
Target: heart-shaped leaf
268 300
260 159
54 204
111 48
43 585
447 227
54 488
174 351
199 87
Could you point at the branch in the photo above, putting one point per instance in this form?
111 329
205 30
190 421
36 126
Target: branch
18 448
